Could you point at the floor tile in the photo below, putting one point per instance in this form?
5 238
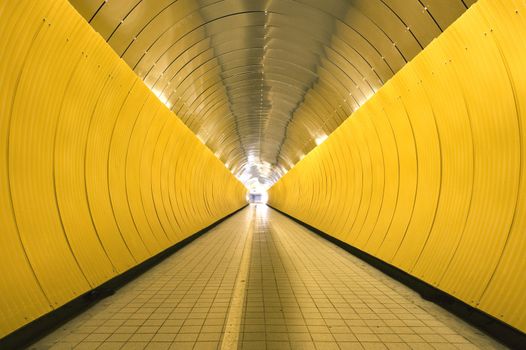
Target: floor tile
299 292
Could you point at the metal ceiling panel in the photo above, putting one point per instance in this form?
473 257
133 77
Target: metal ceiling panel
262 82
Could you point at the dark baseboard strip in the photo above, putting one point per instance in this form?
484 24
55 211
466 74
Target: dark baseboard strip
37 329
502 332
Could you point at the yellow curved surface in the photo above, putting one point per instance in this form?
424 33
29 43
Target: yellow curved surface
429 173
96 174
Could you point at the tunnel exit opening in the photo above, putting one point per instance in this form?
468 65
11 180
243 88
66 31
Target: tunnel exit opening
258 198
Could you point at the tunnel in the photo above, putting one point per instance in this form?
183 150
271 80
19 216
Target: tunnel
262 174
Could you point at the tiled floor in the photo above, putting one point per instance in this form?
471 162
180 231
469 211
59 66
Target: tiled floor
261 281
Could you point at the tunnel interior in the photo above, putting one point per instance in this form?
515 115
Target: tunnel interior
392 127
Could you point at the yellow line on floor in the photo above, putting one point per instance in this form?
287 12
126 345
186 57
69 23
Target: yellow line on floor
235 312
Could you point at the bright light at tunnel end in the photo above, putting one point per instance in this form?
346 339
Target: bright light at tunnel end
257 197
257 191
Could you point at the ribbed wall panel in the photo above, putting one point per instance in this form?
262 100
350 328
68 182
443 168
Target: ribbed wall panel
430 171
96 174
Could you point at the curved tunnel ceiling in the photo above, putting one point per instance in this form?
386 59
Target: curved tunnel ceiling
261 82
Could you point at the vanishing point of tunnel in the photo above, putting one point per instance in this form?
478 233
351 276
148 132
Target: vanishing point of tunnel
263 174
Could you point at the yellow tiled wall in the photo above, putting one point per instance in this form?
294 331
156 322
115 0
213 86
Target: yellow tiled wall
96 174
429 174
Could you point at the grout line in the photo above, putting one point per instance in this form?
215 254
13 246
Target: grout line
235 312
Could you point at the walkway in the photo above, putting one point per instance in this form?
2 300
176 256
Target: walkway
261 281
